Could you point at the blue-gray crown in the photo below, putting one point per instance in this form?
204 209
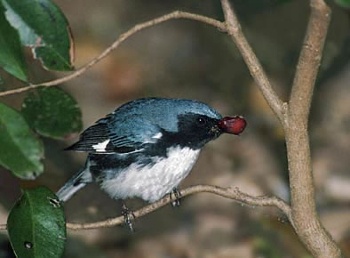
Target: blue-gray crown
163 112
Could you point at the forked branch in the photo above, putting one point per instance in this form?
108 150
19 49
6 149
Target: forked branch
294 117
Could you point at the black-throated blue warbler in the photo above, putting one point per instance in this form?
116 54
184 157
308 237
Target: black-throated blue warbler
146 147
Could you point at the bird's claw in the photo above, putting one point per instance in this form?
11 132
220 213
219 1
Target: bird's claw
128 217
177 196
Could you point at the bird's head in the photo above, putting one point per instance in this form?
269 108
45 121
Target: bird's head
197 124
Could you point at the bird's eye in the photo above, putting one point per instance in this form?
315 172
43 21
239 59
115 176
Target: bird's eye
201 121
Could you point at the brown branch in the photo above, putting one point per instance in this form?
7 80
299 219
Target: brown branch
229 193
309 61
306 221
253 64
294 118
141 26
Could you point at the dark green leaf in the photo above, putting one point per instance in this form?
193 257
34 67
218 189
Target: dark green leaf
36 225
21 152
52 112
343 3
11 56
43 27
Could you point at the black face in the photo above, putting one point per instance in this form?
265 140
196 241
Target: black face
196 130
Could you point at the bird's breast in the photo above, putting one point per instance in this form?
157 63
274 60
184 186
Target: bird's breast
151 182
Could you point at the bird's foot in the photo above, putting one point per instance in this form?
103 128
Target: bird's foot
128 217
175 196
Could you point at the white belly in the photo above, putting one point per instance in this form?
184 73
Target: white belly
153 182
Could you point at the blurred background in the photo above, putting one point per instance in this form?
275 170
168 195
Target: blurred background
183 58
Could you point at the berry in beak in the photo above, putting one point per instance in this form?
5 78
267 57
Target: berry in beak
232 124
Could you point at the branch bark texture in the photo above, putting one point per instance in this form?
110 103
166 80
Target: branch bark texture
306 221
294 117
230 193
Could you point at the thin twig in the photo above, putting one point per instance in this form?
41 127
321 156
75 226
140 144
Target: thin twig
173 15
229 193
254 66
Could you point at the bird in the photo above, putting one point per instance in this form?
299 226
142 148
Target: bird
146 147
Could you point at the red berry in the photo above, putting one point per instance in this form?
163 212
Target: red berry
232 125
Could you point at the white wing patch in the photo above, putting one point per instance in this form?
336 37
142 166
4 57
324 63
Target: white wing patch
157 136
101 147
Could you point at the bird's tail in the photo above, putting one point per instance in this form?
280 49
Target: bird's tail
74 184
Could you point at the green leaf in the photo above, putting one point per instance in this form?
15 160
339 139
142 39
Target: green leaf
11 55
343 3
36 225
43 27
52 112
21 152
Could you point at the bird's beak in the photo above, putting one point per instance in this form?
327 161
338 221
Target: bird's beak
232 124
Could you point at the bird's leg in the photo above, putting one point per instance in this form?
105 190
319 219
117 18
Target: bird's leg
128 217
177 195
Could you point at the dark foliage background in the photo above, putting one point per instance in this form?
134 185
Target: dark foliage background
191 60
